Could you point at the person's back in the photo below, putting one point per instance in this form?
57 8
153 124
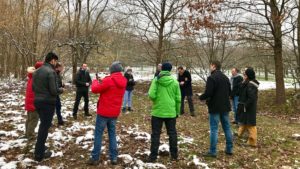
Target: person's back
218 92
216 95
112 89
165 95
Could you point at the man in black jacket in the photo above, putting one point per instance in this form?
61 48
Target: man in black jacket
46 91
235 80
217 94
185 82
83 82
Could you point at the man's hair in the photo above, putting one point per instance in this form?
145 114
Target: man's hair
180 67
50 56
217 64
236 69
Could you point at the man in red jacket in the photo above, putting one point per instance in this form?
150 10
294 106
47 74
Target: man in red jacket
111 90
32 115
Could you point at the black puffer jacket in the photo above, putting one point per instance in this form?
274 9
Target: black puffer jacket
130 81
186 89
217 93
44 84
248 102
83 77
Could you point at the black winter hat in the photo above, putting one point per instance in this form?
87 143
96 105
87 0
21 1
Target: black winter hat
166 66
116 67
250 73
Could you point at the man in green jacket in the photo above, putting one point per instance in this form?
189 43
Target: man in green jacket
166 97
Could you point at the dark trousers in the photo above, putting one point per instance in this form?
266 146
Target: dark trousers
58 109
46 112
156 124
190 101
85 95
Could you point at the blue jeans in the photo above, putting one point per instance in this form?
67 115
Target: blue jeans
101 123
235 102
214 119
127 98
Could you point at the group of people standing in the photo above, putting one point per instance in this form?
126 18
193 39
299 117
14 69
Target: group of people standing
167 94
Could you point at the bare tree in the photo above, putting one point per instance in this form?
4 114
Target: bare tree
155 24
270 14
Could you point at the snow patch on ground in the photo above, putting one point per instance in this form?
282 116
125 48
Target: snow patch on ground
196 162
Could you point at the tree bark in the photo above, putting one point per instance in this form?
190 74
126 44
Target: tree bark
266 72
279 71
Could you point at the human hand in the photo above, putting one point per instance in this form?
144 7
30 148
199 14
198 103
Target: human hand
181 83
87 84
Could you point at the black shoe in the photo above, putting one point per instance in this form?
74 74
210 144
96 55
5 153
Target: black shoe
47 154
114 162
93 162
75 116
229 153
61 123
193 114
123 110
209 155
129 109
151 160
87 114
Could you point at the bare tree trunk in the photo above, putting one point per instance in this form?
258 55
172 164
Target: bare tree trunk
298 42
266 72
160 52
277 33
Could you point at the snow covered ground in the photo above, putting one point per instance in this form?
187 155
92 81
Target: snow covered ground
18 153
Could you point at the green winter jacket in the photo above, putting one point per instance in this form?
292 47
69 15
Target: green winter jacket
165 94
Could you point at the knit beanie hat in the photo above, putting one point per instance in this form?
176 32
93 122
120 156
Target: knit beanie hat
250 73
166 66
38 64
116 67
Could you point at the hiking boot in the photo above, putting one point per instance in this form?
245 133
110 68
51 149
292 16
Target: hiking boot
129 109
193 114
47 154
229 153
124 110
209 155
114 162
151 160
61 123
87 115
93 162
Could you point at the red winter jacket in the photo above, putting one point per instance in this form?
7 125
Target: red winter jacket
29 96
111 89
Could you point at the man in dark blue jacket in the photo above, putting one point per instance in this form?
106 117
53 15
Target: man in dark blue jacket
46 91
217 95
